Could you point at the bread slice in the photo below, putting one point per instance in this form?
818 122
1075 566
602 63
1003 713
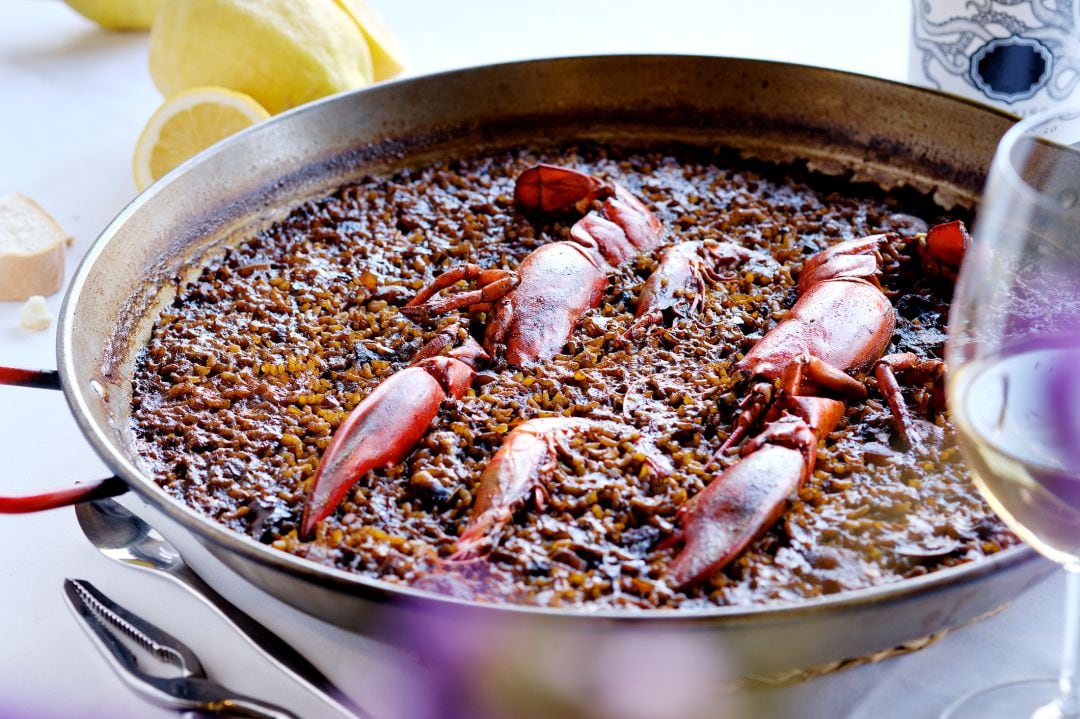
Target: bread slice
31 249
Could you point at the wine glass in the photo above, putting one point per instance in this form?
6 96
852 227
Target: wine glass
1014 374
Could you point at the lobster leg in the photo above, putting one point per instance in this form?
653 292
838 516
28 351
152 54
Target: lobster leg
740 504
807 370
803 372
383 429
914 370
752 406
493 284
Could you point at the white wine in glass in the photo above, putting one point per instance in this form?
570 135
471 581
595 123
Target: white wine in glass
1014 374
1013 413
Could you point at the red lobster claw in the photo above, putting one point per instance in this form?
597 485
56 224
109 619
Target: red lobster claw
385 427
943 249
547 188
521 469
740 504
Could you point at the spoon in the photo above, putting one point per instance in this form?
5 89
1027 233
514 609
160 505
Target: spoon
126 538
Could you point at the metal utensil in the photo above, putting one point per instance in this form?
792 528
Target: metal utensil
126 538
108 623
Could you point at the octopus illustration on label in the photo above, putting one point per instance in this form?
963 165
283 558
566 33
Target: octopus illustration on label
1021 55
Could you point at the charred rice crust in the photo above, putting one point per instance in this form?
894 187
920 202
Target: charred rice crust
255 364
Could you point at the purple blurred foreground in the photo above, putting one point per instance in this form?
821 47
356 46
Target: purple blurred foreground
480 669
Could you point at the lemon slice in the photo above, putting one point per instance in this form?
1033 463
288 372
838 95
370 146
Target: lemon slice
188 122
387 55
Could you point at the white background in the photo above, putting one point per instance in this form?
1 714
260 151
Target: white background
73 100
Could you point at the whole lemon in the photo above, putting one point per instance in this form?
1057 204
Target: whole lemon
118 14
281 52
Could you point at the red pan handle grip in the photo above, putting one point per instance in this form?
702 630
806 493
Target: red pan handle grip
77 494
38 378
84 492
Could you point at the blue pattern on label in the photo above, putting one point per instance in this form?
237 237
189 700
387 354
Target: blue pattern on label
1012 68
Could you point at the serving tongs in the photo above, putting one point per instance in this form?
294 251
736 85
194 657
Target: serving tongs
108 623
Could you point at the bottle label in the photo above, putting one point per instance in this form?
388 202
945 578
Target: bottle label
1022 56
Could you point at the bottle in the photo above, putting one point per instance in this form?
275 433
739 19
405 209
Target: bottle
1022 56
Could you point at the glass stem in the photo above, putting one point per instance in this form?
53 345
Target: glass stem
1069 680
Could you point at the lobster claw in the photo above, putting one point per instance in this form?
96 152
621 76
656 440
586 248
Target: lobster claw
547 188
522 465
733 510
943 249
380 432
747 499
384 428
520 469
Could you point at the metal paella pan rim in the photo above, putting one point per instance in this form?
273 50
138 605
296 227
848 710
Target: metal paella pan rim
301 151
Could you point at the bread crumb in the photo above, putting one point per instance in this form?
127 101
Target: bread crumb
35 314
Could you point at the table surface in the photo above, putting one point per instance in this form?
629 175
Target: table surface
74 101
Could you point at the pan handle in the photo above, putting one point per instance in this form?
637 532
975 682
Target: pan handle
82 492
36 378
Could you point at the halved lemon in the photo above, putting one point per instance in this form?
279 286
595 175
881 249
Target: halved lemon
187 123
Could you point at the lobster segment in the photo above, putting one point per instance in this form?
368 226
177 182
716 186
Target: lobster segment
535 309
942 250
383 429
520 470
739 505
543 189
841 323
679 280
845 323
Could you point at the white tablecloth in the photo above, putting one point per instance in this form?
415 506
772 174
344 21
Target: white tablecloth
73 100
